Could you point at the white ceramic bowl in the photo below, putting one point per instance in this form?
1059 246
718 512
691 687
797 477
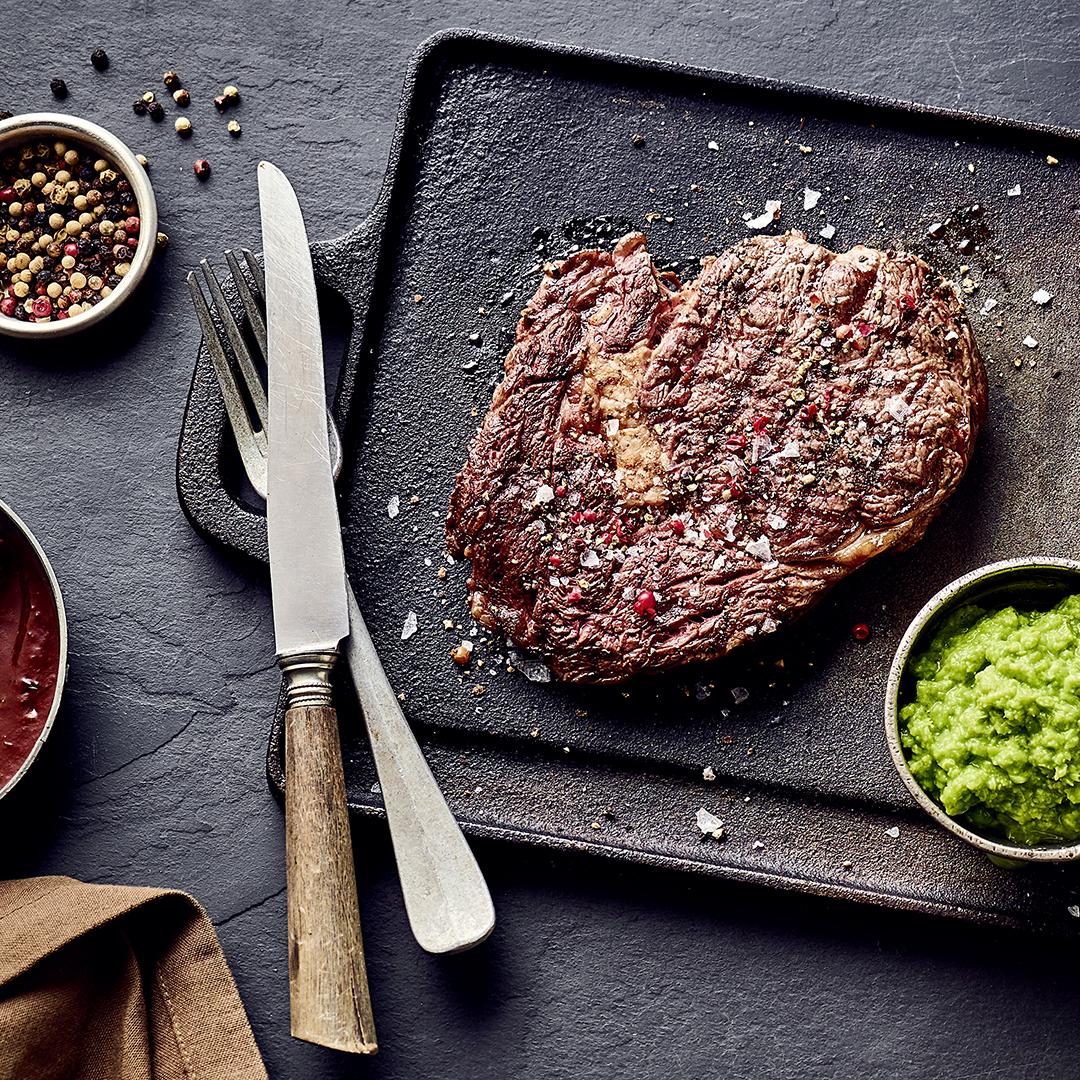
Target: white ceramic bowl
50 127
1031 584
39 634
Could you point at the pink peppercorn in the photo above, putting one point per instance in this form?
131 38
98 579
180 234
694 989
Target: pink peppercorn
202 167
574 595
63 315
590 516
72 250
677 526
131 225
7 195
132 241
645 604
860 631
42 307
7 307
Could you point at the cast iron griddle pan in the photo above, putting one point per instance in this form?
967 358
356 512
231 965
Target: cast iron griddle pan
509 154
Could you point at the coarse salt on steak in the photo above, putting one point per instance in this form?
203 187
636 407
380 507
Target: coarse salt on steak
667 473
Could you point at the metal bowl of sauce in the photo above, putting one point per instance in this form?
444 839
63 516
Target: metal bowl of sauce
33 648
1031 587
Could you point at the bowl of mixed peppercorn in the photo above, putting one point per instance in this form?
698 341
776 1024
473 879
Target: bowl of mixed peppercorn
78 224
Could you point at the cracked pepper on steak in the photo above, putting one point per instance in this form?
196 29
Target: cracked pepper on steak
666 473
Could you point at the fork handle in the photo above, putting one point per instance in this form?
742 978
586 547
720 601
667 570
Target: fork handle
328 991
446 896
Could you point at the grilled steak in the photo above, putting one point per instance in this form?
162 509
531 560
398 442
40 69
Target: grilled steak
666 473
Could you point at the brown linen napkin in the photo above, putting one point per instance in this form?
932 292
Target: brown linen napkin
113 982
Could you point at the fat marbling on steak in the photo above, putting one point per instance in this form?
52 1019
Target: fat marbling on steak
666 473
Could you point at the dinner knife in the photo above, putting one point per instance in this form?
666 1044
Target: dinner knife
328 991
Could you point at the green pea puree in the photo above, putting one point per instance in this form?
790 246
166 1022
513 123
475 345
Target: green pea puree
993 733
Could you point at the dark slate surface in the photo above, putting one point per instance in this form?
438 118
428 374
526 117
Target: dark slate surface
154 772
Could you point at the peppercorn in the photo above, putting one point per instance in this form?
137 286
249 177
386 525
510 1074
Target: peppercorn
162 241
6 114
221 103
183 126
171 80
202 167
141 159
156 111
138 107
461 654
181 97
860 631
100 59
233 127
231 94
59 88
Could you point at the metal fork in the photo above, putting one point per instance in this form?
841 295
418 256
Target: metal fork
446 897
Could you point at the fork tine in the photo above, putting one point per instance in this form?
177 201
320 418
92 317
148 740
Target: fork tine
251 443
240 350
251 307
256 272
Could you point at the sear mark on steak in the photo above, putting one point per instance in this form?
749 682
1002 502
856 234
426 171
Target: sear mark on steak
666 473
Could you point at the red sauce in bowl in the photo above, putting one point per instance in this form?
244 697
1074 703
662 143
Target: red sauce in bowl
30 643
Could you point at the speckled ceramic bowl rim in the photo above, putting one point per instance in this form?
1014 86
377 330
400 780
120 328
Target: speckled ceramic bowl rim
27 127
61 661
954 593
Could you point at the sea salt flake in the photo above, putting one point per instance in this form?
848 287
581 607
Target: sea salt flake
466 644
763 221
1013 191
1041 296
545 493
757 845
1030 342
589 558
713 144
708 773
897 408
611 427
760 548
533 670
740 694
761 445
810 198
1074 910
828 232
775 521
709 824
410 627
701 692
393 507
988 305
894 832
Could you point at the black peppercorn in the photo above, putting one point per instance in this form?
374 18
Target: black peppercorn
6 114
156 110
138 107
59 88
100 59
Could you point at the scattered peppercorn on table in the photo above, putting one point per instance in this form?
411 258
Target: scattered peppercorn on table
154 772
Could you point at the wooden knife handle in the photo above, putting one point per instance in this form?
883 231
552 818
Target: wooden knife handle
328 990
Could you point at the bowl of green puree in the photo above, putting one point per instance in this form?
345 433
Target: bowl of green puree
982 710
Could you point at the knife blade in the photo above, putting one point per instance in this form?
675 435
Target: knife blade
328 992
